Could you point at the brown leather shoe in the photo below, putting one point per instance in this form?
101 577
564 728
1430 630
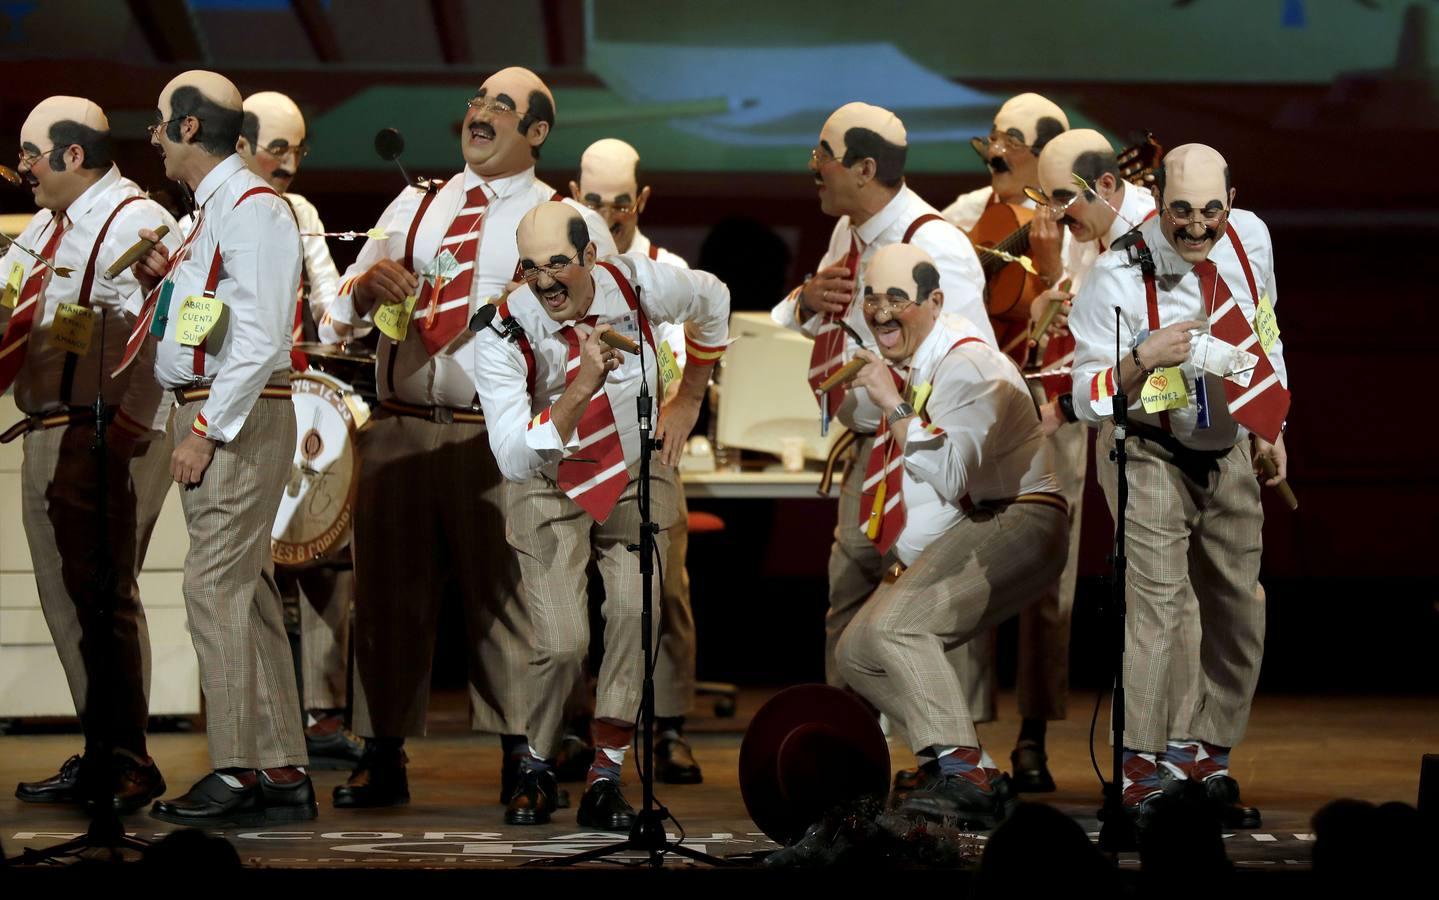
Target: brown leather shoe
136 783
675 762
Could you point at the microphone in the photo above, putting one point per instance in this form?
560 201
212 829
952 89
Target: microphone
845 375
483 317
137 250
389 144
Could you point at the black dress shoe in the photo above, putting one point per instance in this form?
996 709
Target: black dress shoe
1031 769
136 784
291 802
535 798
675 762
510 773
212 803
906 782
573 759
605 808
950 798
332 750
376 781
62 787
1222 794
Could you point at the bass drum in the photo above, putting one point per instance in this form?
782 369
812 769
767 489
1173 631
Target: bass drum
317 507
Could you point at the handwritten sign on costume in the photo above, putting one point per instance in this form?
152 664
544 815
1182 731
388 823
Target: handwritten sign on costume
669 368
393 319
198 317
1266 325
1164 389
13 283
72 328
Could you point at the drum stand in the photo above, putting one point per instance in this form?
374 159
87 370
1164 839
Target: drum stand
106 838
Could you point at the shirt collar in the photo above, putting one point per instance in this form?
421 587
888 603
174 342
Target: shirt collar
499 188
218 176
937 342
882 220
86 201
640 244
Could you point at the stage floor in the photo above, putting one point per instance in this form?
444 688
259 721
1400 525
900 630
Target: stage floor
1301 753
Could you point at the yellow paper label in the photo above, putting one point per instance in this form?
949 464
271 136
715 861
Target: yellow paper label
669 368
197 317
12 286
1266 324
919 396
72 328
1164 389
876 512
393 319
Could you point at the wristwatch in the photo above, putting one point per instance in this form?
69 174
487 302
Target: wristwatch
902 411
1066 407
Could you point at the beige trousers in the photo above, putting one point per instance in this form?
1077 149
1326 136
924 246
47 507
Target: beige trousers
58 508
428 517
985 569
554 540
252 711
1193 536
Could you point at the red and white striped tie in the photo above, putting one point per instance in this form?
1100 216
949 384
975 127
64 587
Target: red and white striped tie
597 485
827 355
445 315
881 506
136 340
1262 406
22 320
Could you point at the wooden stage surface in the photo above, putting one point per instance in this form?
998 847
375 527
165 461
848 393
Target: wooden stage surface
1301 753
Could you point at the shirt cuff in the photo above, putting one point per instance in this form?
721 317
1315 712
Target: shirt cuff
702 354
786 312
543 438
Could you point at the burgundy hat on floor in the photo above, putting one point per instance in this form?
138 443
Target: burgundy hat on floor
809 749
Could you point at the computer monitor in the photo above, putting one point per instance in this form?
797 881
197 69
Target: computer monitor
764 395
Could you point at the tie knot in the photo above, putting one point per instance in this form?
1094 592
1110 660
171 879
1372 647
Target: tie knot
1204 269
476 196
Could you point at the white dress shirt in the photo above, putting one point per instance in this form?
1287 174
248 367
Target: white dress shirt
966 209
960 276
259 276
444 379
523 444
1116 281
38 384
672 332
985 443
321 275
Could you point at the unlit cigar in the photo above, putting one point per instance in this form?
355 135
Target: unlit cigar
1286 493
844 376
137 250
619 341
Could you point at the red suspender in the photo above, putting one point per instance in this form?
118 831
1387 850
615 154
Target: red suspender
409 263
67 379
654 252
1244 263
919 223
630 298
212 281
527 351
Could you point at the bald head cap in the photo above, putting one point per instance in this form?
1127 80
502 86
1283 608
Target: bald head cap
1058 163
1195 173
608 168
905 268
54 110
862 115
215 87
1033 119
517 83
277 118
550 229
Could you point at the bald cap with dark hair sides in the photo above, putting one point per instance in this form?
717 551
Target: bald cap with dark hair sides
219 127
96 145
862 143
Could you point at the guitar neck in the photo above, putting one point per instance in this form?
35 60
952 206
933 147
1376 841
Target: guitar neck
1016 243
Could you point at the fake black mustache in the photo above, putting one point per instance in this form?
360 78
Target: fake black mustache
284 173
1209 234
998 164
484 129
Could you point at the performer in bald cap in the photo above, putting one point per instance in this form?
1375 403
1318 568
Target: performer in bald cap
272 143
1204 367
858 169
561 408
1023 127
220 309
961 503
428 481
610 185
56 330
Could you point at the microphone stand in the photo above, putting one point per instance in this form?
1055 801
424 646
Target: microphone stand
648 832
106 833
1117 834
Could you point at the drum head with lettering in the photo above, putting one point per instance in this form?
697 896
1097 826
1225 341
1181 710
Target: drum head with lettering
317 505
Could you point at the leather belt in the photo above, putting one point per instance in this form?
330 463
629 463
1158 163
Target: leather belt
185 395
39 423
440 415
